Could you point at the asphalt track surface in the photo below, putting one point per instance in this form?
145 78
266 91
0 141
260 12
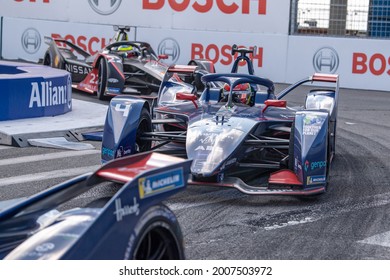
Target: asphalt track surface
350 221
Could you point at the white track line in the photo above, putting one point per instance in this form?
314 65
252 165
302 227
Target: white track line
19 160
2 147
382 239
47 175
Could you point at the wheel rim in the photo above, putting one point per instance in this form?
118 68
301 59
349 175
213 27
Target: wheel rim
157 244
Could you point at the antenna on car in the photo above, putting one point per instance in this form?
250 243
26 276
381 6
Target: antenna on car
121 32
243 56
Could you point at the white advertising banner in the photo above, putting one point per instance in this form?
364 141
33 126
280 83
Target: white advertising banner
260 16
36 9
24 39
362 64
182 46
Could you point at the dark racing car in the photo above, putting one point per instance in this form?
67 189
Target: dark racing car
130 67
89 217
238 131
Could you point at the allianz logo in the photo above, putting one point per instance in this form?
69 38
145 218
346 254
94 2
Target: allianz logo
44 94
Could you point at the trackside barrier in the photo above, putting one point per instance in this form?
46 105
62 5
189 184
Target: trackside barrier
29 91
1 37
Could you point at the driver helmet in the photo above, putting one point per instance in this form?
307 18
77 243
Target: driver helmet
129 51
242 94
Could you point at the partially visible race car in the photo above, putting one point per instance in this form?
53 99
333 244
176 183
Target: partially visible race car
127 221
130 67
238 131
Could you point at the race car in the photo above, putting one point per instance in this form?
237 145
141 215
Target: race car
130 67
126 221
238 131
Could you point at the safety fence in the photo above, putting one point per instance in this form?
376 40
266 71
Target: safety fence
355 18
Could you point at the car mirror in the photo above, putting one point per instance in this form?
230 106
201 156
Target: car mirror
187 96
162 56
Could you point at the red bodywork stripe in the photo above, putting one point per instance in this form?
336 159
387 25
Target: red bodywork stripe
274 103
284 177
182 68
125 169
319 77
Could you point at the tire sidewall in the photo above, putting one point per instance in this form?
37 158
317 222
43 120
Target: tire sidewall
156 216
102 70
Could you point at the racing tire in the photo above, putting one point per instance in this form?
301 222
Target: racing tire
156 236
102 79
47 60
144 125
291 147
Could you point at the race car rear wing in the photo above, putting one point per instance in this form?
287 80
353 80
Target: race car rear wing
182 68
317 77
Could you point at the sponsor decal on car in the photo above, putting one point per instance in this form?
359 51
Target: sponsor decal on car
45 247
76 69
319 179
114 90
120 152
312 125
108 152
161 182
314 165
125 210
113 80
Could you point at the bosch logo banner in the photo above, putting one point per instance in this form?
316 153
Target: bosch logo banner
31 40
105 7
33 1
170 47
326 60
222 54
258 7
91 45
376 64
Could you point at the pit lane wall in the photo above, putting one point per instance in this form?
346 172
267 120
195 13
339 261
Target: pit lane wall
196 29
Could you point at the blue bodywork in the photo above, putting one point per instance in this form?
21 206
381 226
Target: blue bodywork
33 228
238 131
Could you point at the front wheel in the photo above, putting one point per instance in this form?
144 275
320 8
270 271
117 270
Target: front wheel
102 79
144 126
157 236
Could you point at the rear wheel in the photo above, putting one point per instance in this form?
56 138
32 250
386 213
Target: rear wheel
291 147
102 79
144 125
157 236
47 60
